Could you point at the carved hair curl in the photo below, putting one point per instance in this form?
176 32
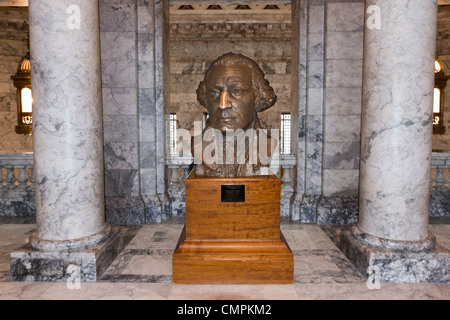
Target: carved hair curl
266 97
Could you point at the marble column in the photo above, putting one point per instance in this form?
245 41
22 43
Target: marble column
153 66
391 241
68 140
299 89
308 87
396 124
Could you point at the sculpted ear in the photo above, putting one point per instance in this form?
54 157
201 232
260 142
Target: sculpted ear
266 98
201 93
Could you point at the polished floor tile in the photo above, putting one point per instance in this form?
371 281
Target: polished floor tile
143 270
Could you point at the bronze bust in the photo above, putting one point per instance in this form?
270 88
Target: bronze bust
234 91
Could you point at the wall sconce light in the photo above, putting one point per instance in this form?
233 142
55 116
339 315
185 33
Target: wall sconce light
440 81
22 83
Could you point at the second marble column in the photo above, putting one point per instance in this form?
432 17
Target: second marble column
396 124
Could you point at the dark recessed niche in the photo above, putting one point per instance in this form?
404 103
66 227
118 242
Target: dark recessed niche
214 7
242 7
233 193
271 7
186 7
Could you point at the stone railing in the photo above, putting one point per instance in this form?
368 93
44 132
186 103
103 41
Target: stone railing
440 169
17 184
440 185
179 170
178 165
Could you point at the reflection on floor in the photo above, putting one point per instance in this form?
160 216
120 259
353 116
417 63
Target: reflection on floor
143 269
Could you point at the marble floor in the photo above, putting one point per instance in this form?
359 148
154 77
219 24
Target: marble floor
143 269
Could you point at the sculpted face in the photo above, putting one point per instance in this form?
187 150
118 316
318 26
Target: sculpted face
230 97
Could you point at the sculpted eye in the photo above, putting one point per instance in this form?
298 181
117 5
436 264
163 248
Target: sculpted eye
213 93
238 91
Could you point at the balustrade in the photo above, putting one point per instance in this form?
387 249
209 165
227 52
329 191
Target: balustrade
16 170
440 169
17 183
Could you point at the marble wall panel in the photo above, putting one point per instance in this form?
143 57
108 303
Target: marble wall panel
343 82
148 186
315 78
120 74
147 152
339 182
344 45
311 116
121 156
146 131
154 86
316 47
314 168
146 45
119 16
299 56
146 18
344 73
121 183
343 100
345 16
315 101
146 101
342 128
124 46
341 155
316 18
119 129
119 101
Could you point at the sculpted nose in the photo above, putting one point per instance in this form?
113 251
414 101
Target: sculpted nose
224 101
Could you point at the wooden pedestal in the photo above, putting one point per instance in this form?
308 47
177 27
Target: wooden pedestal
232 233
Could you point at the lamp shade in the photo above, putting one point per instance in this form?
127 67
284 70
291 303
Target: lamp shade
22 83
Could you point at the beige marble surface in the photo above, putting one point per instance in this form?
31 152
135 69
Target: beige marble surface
143 271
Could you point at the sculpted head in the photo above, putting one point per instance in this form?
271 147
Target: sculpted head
233 91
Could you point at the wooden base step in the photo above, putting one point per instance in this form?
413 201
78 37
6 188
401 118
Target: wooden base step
254 261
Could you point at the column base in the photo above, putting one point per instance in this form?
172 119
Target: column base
70 245
286 199
157 207
308 208
129 211
342 210
86 265
387 266
395 246
297 199
177 201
